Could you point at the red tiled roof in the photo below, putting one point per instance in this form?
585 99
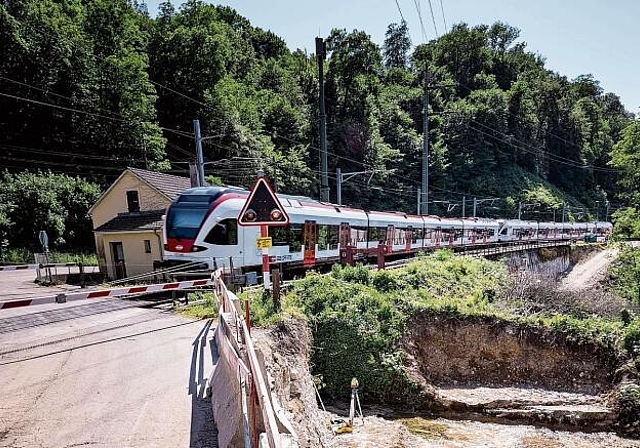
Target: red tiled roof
168 184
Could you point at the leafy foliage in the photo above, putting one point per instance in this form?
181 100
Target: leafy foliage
358 318
56 203
97 86
626 274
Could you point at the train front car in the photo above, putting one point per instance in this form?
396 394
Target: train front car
201 226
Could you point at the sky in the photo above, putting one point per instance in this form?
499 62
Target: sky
576 37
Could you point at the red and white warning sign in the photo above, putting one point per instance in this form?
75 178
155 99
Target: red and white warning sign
263 208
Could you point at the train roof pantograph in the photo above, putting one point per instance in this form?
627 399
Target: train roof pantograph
262 207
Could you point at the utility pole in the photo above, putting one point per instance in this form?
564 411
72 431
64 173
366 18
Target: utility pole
475 204
321 53
425 142
144 149
606 211
419 193
342 178
519 210
199 157
339 186
464 206
563 207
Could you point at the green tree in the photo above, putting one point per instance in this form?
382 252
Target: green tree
626 158
397 44
56 203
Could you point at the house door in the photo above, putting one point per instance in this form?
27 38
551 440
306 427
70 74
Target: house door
117 255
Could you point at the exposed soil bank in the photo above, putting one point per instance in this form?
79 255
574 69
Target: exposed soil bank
480 351
491 382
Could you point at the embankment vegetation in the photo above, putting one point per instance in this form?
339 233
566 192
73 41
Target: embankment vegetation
359 318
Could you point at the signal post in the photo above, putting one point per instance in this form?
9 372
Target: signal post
263 209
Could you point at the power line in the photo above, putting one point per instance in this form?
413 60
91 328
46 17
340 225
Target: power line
433 19
70 109
540 152
400 11
575 145
185 96
65 154
444 19
71 165
422 28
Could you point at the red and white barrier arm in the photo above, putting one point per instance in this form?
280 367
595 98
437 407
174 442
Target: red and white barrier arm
117 292
20 267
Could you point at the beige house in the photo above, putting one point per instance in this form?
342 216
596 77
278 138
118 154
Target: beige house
127 221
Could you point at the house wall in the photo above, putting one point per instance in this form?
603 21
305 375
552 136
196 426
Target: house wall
115 201
135 259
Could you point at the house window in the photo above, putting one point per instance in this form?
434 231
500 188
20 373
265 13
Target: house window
133 202
147 246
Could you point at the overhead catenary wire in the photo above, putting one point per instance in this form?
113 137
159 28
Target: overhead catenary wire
433 19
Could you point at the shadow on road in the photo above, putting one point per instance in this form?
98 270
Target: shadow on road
203 431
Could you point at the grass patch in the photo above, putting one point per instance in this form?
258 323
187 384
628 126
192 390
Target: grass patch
427 429
206 310
25 256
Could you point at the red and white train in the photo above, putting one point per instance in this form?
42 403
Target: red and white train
201 226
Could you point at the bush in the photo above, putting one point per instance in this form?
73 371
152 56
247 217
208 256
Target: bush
632 340
354 274
385 281
628 404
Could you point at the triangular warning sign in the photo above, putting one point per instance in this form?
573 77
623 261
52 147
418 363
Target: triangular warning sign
262 207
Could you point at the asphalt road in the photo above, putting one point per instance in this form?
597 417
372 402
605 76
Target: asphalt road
104 374
21 284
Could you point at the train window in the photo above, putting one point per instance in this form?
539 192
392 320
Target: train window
417 234
328 237
358 235
225 233
399 236
291 235
377 234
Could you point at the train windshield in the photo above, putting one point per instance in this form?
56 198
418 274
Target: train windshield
185 222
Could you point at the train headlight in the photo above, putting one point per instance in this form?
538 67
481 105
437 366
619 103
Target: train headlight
196 248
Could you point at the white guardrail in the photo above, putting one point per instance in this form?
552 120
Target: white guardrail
271 428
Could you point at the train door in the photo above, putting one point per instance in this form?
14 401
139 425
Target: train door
390 237
310 239
408 238
345 234
474 234
437 235
452 235
485 234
